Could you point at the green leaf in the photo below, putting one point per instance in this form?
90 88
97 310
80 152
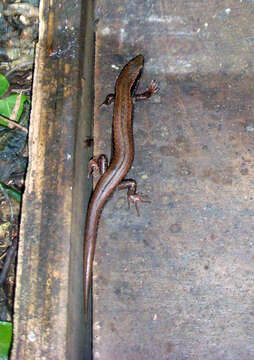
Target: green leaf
7 105
4 84
5 339
3 123
16 195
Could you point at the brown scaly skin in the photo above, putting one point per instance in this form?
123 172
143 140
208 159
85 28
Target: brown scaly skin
121 161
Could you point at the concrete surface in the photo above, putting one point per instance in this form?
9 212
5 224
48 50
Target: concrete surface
177 282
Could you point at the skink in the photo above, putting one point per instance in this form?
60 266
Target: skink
121 161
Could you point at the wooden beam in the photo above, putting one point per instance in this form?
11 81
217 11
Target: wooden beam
49 321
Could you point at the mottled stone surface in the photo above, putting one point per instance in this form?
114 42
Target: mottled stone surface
177 282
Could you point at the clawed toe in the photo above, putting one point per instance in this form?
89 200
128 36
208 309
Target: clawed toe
154 88
135 198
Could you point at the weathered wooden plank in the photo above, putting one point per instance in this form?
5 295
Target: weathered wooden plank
49 321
